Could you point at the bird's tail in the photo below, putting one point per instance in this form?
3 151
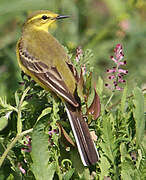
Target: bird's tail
86 147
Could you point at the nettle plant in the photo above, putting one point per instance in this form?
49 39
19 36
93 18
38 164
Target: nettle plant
36 141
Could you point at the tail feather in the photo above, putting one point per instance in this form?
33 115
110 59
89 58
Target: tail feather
85 144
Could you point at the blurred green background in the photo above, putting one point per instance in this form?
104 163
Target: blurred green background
95 24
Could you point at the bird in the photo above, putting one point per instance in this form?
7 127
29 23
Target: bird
44 59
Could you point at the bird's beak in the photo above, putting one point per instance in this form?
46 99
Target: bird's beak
62 17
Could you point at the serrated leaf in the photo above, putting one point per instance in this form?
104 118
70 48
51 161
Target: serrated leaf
127 170
40 155
55 110
139 115
69 174
104 167
3 122
124 154
109 143
141 162
123 100
51 170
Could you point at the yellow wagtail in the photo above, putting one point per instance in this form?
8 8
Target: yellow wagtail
43 58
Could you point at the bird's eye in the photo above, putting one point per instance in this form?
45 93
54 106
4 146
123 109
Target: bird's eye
44 17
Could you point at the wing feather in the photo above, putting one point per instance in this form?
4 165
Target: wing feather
50 77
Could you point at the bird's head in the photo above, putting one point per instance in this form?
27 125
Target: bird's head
42 19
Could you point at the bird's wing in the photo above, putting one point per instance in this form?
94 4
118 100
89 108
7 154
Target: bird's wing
49 77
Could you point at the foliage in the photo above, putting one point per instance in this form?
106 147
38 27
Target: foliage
94 24
36 141
49 153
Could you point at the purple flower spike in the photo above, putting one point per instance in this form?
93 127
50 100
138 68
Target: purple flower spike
117 73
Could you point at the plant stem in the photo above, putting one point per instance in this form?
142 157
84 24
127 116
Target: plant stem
19 122
58 168
12 144
109 99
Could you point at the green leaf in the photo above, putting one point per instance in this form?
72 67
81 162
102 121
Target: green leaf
24 104
109 143
16 98
40 155
81 171
11 177
139 115
44 112
6 107
51 170
3 122
69 174
86 174
141 162
99 86
127 171
123 100
104 167
124 154
88 82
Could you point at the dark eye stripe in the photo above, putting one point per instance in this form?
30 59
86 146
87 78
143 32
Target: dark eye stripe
44 17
